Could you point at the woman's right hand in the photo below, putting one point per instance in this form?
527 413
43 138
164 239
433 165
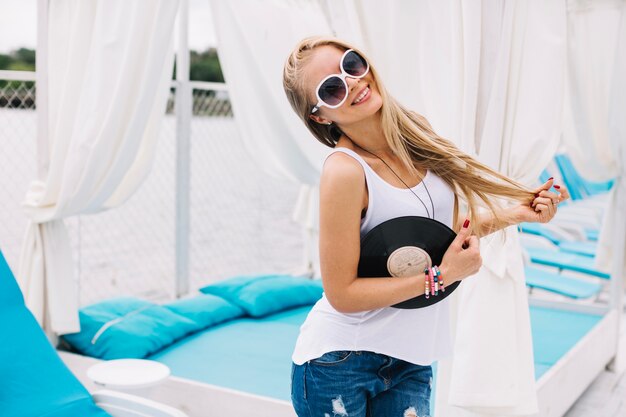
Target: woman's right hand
462 258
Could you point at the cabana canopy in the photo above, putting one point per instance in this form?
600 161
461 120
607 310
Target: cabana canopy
489 78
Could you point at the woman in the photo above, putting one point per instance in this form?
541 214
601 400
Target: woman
356 355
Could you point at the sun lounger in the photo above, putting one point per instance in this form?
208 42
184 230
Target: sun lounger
35 381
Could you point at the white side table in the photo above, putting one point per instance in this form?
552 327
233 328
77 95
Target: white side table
134 376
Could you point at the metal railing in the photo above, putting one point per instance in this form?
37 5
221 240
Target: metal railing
17 90
240 218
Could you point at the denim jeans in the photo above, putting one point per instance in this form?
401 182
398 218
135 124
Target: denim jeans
360 384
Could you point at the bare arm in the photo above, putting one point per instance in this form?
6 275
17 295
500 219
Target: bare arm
542 210
342 189
488 224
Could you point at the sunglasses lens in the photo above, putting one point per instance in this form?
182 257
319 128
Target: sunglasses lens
354 64
332 91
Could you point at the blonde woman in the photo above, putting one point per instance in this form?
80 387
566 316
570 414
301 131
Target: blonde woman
356 355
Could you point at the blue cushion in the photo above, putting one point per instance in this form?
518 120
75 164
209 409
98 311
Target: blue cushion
539 230
205 310
578 186
564 260
580 248
266 294
127 328
592 234
34 381
569 286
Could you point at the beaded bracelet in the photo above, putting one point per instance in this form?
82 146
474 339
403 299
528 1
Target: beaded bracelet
441 286
433 281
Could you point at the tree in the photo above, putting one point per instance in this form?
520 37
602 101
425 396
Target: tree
205 66
26 56
5 61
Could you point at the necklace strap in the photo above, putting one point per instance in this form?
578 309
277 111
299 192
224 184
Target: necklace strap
405 184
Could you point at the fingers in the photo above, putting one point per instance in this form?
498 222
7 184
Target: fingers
546 185
474 247
461 237
548 210
465 230
543 200
550 195
465 239
473 242
547 202
563 192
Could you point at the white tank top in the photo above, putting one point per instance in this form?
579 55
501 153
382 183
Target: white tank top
420 336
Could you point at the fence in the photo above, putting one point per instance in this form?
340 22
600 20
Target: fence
240 218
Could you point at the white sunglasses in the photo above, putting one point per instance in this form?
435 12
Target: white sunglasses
332 91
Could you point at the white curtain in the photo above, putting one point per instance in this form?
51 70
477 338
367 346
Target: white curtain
414 47
595 134
489 77
254 40
519 52
109 68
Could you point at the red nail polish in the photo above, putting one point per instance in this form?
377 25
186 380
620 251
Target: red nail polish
466 223
557 187
550 178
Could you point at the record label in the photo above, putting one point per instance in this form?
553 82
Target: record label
407 261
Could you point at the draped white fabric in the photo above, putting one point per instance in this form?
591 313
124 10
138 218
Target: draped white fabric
415 48
109 69
254 40
490 78
595 134
520 53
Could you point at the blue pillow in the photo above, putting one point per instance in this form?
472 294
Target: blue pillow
34 381
266 294
205 310
127 328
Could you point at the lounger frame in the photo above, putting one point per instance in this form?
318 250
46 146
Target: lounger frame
557 389
120 404
196 399
562 384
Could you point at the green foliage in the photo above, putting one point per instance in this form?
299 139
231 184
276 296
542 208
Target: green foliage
5 61
26 56
204 66
20 66
22 59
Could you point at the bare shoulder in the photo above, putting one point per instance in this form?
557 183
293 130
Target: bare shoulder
343 174
340 166
342 177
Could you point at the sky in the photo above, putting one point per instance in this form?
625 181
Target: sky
18 25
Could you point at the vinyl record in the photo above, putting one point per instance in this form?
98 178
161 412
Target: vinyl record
404 246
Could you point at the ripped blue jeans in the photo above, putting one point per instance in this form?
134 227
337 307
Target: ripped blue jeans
346 383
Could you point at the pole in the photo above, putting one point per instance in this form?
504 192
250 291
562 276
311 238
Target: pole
183 150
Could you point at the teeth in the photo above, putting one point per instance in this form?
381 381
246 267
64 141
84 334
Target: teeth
360 97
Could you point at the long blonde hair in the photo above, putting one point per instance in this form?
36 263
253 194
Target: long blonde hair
409 136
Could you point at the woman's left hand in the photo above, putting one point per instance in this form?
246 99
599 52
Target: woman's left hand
543 208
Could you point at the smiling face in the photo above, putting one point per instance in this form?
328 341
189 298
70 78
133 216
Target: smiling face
363 99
